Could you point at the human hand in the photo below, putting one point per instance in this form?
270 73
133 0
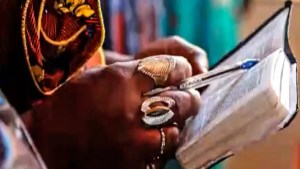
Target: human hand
95 120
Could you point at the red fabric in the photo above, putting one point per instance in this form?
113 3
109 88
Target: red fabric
32 36
119 36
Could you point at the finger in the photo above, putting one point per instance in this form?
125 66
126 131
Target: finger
187 104
194 54
151 143
151 71
181 71
127 72
178 46
142 80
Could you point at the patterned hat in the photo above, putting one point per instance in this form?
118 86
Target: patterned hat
58 37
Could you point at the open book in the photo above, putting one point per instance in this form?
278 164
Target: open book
245 106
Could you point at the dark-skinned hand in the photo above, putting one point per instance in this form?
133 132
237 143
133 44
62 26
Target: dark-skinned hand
94 121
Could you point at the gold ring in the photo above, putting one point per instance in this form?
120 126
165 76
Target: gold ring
157 67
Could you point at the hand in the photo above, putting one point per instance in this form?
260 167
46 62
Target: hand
178 47
94 121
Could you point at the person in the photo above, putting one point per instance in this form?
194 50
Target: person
91 116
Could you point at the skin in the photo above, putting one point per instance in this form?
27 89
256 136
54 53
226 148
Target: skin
94 121
101 127
170 46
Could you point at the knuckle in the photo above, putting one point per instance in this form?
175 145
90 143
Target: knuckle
177 99
188 102
114 78
200 52
182 64
194 94
180 99
176 38
114 72
195 101
181 60
182 70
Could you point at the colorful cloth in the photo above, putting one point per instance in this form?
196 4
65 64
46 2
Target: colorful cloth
49 42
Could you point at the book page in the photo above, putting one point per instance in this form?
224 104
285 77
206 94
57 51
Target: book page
269 39
234 87
260 46
228 91
265 42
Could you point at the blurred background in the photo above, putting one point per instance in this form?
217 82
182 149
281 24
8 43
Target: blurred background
216 26
132 24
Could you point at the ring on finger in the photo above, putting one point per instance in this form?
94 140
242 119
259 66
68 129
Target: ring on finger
162 144
158 115
157 67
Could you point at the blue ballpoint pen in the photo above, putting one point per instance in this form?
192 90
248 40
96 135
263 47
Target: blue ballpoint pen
201 80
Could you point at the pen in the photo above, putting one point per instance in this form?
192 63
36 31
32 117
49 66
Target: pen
201 80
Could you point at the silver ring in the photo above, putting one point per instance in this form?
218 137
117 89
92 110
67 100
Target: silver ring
146 104
163 142
150 166
158 115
